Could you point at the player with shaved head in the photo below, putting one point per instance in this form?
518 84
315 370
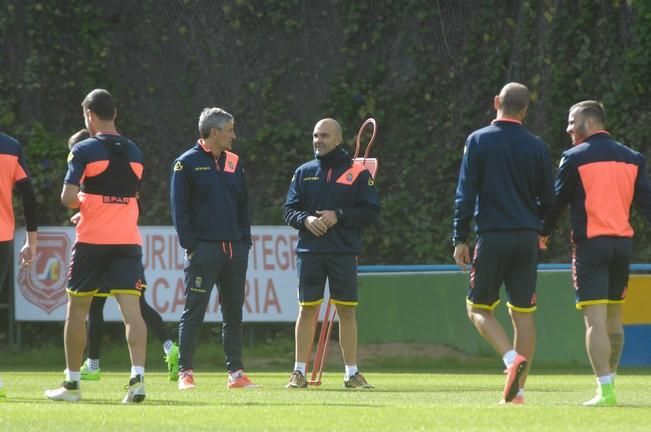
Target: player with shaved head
505 184
330 200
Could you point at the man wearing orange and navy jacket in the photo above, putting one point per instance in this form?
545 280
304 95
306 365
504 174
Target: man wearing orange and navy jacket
104 173
13 172
210 210
600 178
329 201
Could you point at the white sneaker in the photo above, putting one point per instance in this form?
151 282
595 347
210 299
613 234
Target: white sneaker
135 390
68 392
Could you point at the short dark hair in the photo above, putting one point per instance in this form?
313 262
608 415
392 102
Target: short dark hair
78 136
590 109
100 102
514 97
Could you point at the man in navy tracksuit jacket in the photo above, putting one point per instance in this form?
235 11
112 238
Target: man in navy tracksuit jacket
210 211
330 200
506 184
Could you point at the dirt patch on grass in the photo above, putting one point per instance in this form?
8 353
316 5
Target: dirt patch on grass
410 350
399 350
379 355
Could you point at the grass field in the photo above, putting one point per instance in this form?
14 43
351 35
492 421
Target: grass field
449 401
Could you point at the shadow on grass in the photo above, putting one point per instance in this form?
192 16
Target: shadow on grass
148 402
294 403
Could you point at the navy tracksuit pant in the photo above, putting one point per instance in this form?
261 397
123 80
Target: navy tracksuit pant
214 262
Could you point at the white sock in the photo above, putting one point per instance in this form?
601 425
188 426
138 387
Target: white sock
0 382
73 376
300 366
521 392
137 370
509 358
606 379
612 377
167 346
235 374
93 364
351 370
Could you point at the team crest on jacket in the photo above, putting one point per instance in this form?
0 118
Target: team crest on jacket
349 177
178 166
43 283
371 182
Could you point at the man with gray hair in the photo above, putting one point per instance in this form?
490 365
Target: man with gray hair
210 211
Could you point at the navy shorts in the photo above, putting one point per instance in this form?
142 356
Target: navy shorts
106 269
600 268
509 258
339 270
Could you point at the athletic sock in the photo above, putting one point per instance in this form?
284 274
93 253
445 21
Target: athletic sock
521 392
351 370
93 364
137 370
509 358
167 346
73 376
235 374
300 366
606 379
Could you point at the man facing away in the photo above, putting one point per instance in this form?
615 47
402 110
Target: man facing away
102 181
14 173
599 178
210 210
506 185
330 200
91 369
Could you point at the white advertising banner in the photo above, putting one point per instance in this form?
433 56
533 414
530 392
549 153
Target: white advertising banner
40 290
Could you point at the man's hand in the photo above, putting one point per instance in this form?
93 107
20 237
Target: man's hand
542 242
462 255
75 218
316 226
329 217
28 251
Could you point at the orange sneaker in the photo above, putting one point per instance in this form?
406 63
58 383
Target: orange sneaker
513 374
186 380
240 381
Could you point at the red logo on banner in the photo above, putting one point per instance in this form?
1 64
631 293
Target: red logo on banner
43 283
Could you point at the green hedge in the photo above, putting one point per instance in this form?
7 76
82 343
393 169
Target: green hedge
426 70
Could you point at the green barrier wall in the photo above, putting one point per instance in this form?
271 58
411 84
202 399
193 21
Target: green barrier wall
431 308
